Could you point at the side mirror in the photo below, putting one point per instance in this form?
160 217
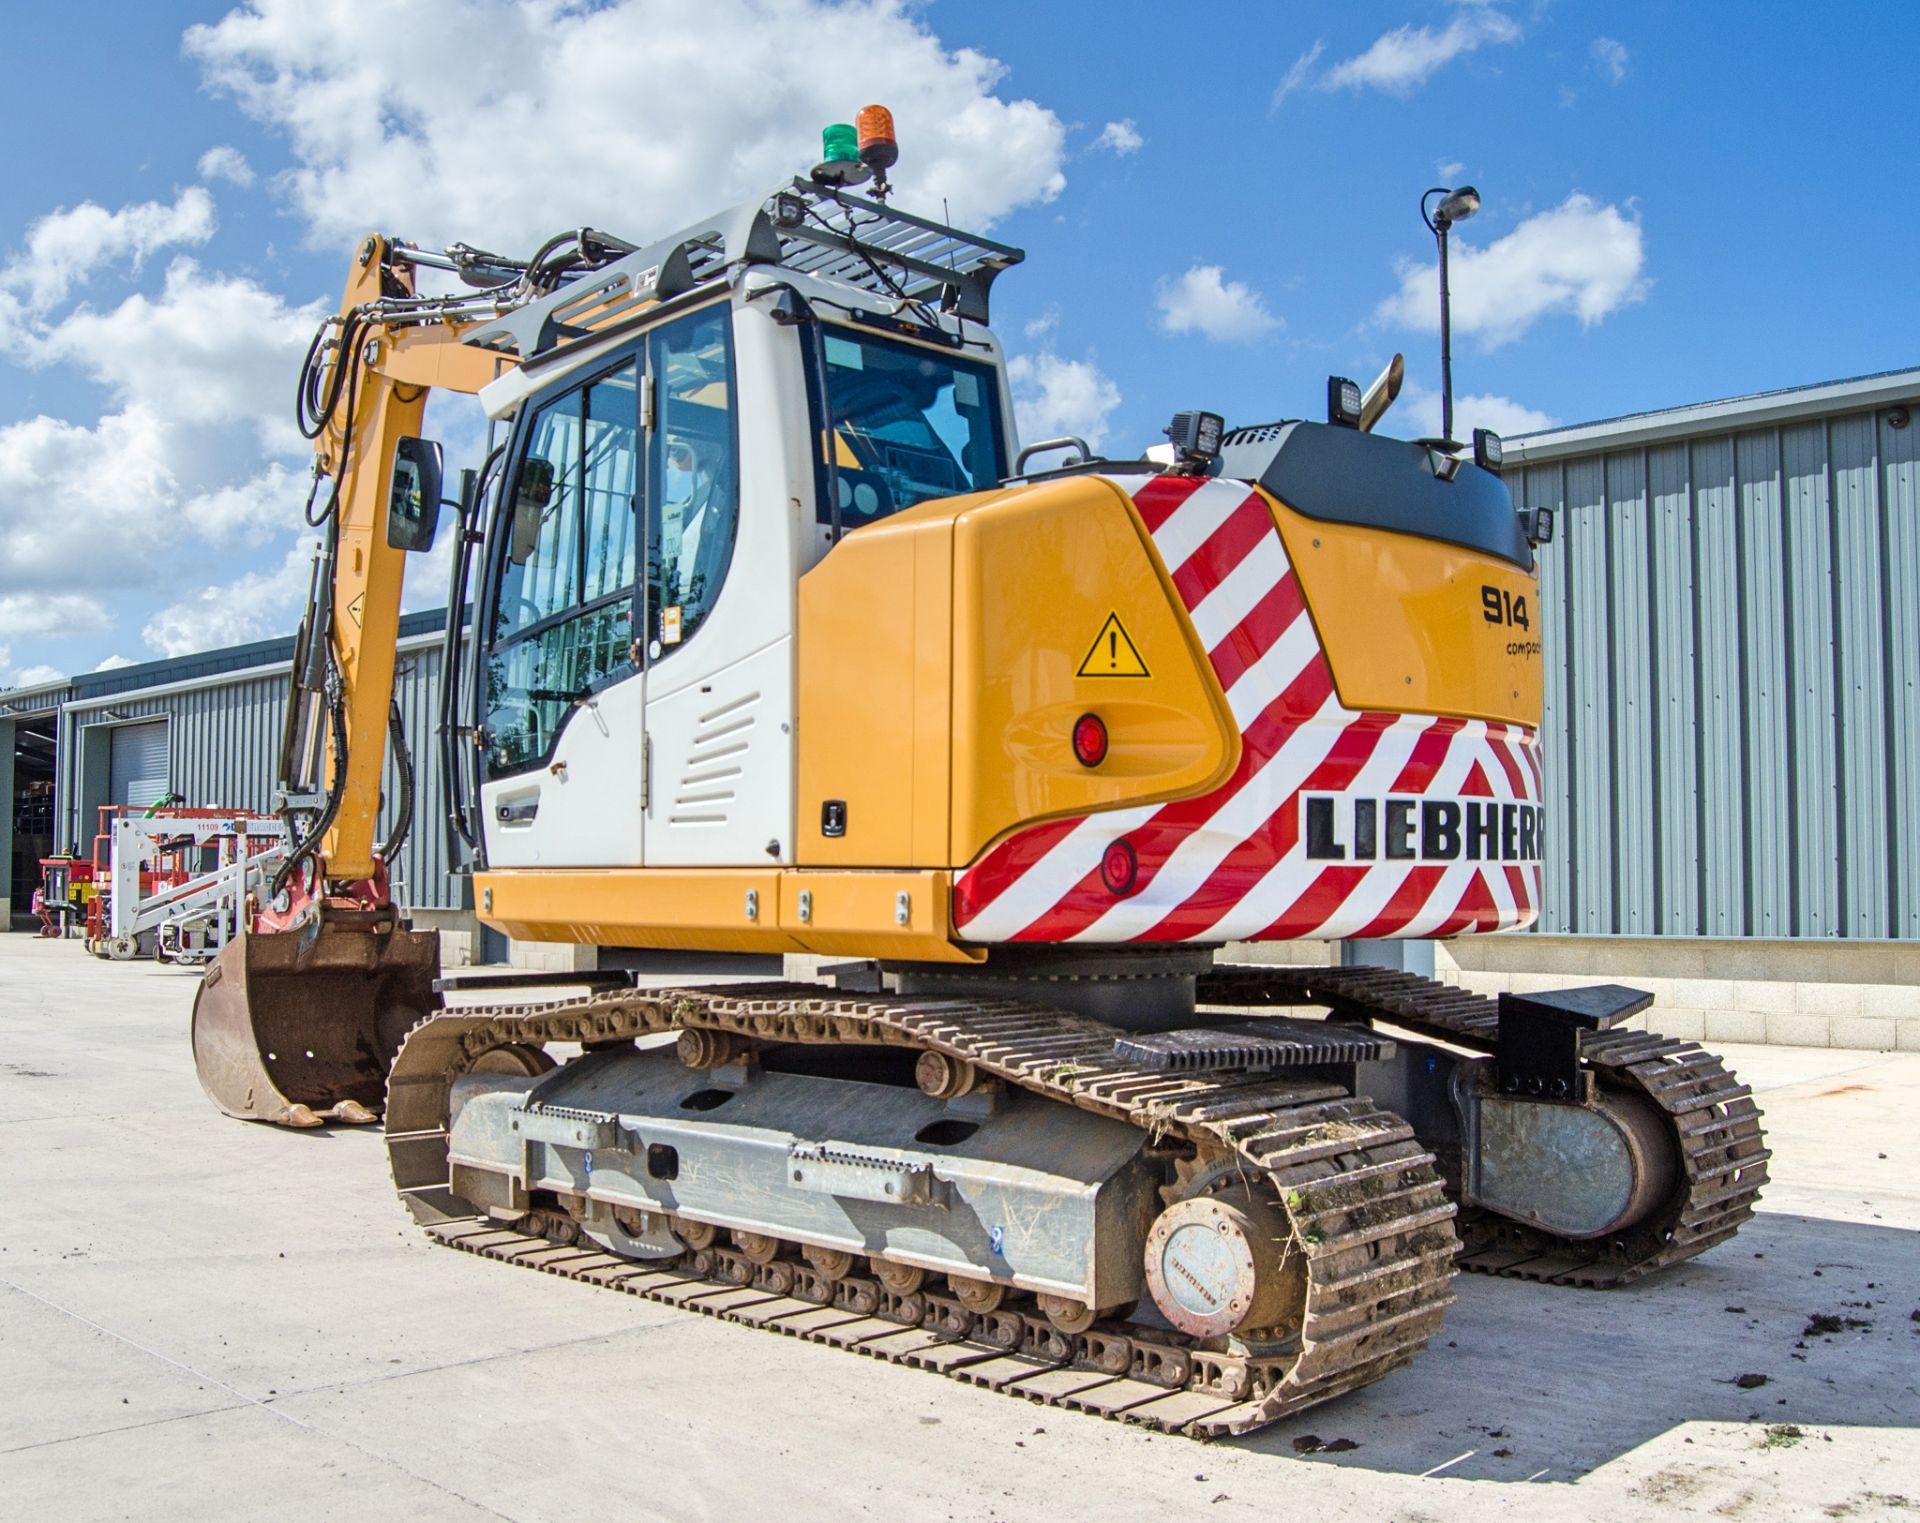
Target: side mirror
413 495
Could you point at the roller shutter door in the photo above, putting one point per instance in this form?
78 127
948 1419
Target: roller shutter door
138 769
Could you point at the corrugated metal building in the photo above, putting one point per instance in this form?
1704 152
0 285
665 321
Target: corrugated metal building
213 721
1731 616
29 720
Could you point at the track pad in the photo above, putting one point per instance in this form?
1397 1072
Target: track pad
1271 1042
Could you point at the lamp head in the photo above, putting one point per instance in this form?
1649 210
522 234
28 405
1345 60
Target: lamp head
1457 207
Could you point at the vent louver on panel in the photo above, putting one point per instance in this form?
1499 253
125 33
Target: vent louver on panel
715 762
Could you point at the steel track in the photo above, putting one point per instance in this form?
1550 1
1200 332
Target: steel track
1714 1121
1364 1206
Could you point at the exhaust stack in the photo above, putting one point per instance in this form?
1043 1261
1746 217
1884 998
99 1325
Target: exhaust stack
1380 395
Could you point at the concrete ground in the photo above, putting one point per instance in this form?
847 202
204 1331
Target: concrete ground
203 1319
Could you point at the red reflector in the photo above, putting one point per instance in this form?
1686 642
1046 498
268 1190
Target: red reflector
1119 867
1089 740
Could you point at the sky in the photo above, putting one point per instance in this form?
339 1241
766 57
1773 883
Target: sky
1220 207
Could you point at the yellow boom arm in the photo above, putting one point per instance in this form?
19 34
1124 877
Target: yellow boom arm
398 367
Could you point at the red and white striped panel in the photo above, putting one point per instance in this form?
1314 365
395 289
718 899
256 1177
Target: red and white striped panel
1234 864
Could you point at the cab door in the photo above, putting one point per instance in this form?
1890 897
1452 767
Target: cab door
723 502
561 696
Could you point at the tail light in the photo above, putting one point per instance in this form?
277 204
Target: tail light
1119 867
1089 740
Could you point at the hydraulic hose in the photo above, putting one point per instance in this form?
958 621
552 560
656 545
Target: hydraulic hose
306 845
403 764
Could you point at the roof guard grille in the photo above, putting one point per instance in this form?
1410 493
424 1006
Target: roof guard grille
809 229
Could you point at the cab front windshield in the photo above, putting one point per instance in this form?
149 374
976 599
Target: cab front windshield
909 423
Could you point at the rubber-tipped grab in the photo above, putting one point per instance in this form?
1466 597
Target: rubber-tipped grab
300 1027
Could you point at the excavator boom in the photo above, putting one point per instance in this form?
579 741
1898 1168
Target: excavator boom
298 1019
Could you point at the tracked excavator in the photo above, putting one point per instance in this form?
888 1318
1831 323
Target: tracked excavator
775 643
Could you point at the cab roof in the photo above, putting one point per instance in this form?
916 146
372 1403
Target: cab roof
812 230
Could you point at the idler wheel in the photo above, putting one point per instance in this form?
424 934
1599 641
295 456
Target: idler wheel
515 1058
1218 1264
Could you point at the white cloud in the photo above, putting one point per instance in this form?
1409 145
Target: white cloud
113 663
1122 137
1400 61
1052 396
1204 301
1581 258
83 506
249 511
1417 414
44 613
548 124
1448 170
26 676
1297 75
65 246
1610 58
254 606
226 163
1042 325
200 381
208 349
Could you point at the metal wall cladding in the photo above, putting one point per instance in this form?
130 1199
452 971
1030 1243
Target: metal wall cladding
1732 633
224 739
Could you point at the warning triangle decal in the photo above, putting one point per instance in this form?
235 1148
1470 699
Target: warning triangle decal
1113 653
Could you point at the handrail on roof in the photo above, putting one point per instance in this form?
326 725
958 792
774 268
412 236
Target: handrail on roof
807 228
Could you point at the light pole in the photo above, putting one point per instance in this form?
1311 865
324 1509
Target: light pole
1457 206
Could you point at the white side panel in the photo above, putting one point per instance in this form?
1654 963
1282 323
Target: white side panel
723 767
587 800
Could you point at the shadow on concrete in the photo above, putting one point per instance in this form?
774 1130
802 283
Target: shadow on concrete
1530 1382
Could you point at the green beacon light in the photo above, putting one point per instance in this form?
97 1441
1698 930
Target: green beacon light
840 143
840 157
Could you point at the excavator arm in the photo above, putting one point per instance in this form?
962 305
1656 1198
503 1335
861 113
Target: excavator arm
378 380
297 1020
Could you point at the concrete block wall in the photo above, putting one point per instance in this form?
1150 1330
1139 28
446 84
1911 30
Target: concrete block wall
459 934
1790 993
551 956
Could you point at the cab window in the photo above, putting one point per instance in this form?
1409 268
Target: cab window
693 498
561 624
909 424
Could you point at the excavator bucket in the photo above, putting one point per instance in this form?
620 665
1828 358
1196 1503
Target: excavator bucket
300 1027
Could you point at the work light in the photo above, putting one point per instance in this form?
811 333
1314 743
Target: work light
1487 453
1343 401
